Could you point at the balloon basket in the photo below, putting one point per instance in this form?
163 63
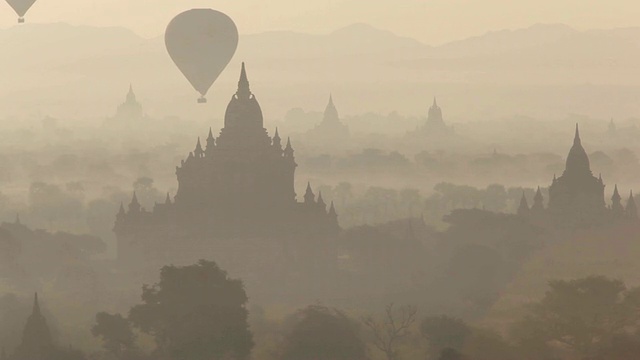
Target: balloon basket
21 20
202 100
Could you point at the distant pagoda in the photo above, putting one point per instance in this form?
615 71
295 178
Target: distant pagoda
331 129
130 109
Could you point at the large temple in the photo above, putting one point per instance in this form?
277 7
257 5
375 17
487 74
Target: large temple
234 190
577 197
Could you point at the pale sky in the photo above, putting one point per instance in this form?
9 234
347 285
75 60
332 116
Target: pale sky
430 21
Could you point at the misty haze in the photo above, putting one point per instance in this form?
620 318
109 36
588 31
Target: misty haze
319 180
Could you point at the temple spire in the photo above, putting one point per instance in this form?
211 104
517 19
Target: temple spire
288 150
134 206
168 199
321 202
523 209
309 197
198 151
244 92
538 202
332 211
631 210
131 96
277 142
616 204
435 102
577 161
36 305
211 143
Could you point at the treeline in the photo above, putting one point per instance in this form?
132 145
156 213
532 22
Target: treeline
593 318
376 205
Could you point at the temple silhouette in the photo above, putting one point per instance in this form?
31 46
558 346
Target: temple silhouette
130 109
37 343
577 197
234 190
435 124
331 128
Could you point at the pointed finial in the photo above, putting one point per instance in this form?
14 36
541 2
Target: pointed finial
435 102
332 210
538 198
168 199
210 137
277 135
330 99
576 139
243 74
121 211
309 197
616 194
36 304
243 84
135 205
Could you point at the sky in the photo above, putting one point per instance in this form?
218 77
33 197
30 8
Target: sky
430 21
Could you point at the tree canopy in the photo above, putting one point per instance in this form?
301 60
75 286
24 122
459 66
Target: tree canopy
585 315
320 333
195 312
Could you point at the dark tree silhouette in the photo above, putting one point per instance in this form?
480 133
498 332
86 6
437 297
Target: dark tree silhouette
395 326
115 331
451 354
320 333
443 332
195 312
585 315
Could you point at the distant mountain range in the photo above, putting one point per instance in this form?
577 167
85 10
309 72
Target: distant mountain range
49 68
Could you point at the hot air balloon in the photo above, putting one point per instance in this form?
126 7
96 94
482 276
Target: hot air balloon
21 7
201 42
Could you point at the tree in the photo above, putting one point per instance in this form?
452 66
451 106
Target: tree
195 312
443 332
116 334
395 326
584 315
320 333
451 354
